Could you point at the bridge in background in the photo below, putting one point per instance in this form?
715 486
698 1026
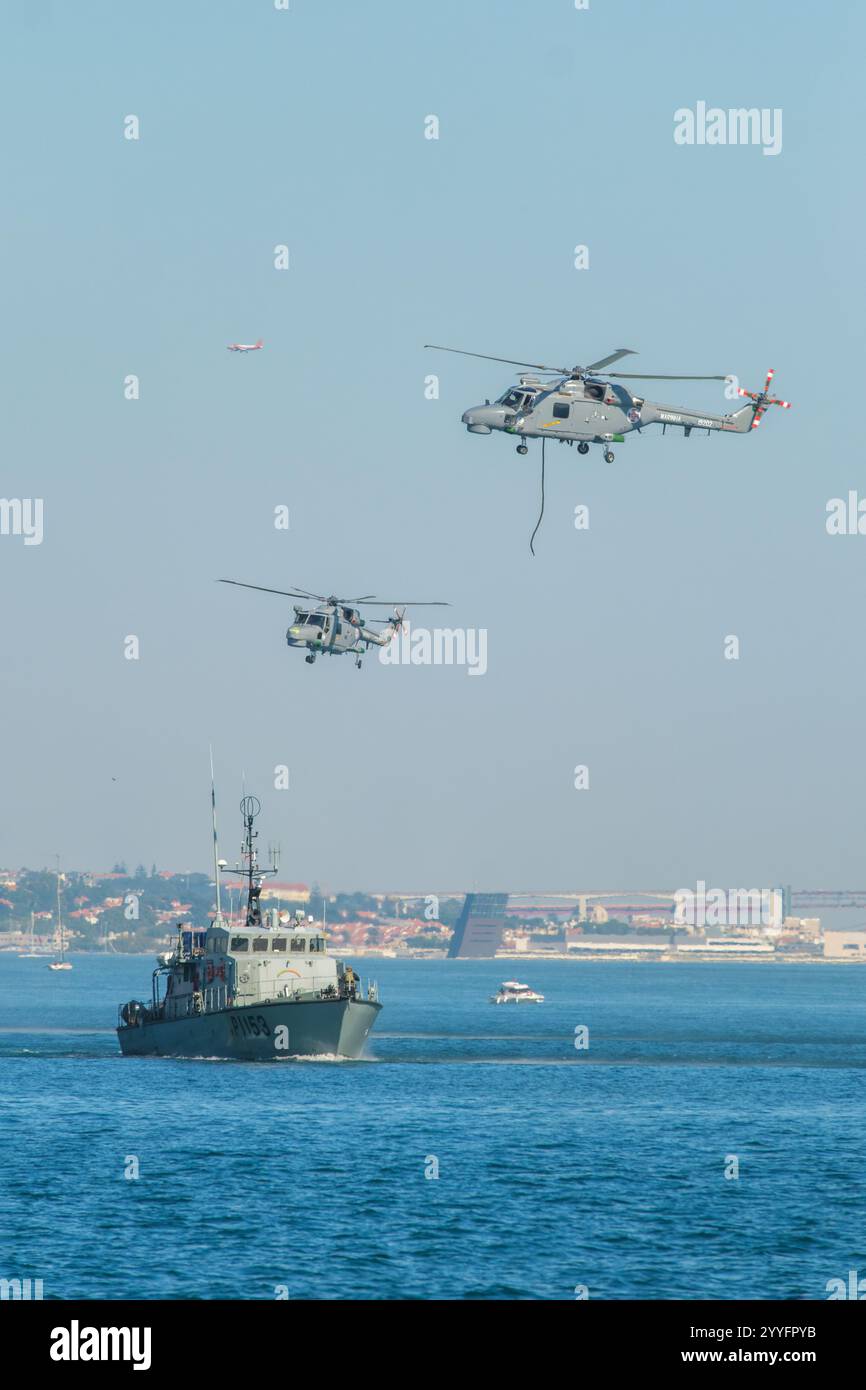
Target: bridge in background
478 933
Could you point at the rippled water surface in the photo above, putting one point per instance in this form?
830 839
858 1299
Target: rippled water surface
556 1167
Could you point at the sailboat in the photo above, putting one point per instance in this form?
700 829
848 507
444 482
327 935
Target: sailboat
32 954
61 963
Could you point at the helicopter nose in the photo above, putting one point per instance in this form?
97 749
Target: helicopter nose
482 419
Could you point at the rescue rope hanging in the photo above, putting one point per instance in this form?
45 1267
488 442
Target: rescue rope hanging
541 513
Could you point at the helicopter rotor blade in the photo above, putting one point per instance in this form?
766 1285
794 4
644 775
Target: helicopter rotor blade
611 357
403 603
285 593
509 361
665 376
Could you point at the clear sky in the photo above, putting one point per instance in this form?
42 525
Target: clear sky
260 127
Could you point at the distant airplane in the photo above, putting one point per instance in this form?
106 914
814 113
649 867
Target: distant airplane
245 347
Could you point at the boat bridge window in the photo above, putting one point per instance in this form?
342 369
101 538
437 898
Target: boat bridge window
240 943
317 943
278 943
260 943
299 943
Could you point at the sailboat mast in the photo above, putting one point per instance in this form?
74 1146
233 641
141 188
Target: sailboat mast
59 916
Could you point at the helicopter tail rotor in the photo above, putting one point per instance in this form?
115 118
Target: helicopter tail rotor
763 399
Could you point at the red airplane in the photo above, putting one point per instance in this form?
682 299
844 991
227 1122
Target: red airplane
245 347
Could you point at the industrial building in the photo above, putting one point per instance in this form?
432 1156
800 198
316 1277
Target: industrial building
845 945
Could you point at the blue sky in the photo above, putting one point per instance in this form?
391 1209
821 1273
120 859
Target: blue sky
261 127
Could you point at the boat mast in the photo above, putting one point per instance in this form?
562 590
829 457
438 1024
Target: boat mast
218 919
250 807
249 868
59 916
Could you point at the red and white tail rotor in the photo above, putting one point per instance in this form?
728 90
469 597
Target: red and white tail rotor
763 399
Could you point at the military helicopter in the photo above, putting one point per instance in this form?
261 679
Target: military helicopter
334 625
578 406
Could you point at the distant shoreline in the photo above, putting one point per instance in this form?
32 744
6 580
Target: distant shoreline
626 957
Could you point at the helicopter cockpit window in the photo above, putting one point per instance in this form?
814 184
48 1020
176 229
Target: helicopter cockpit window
514 399
593 392
316 620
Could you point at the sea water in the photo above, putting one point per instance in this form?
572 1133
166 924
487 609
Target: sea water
703 1139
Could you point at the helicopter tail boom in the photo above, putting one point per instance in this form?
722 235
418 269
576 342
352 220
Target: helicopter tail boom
740 422
378 639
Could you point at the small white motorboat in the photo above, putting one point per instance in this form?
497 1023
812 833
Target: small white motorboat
513 992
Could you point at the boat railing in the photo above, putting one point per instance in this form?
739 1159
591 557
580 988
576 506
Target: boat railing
217 997
208 1001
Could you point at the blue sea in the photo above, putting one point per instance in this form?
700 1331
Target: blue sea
558 1169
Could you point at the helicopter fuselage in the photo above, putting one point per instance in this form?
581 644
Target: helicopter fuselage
583 410
333 626
332 631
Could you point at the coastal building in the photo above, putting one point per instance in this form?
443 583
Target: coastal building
479 928
643 945
727 946
845 945
286 892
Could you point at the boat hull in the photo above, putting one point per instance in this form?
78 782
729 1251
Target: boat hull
258 1032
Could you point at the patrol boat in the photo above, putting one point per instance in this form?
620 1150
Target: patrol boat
260 992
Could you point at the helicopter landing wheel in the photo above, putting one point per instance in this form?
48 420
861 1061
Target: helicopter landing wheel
608 455
522 449
310 659
583 447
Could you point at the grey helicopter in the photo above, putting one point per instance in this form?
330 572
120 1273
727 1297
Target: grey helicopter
334 625
579 406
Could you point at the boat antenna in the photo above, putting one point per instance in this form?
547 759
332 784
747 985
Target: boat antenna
218 919
250 868
250 808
